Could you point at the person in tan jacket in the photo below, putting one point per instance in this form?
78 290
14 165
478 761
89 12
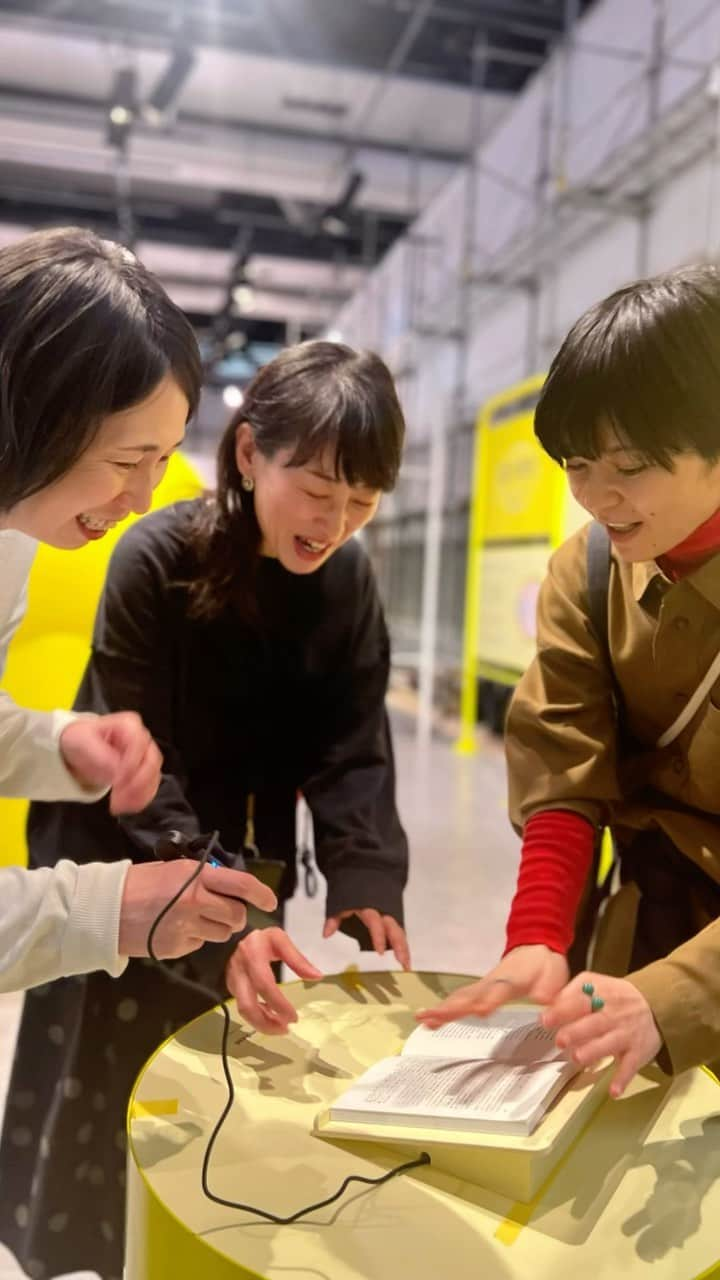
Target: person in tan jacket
617 721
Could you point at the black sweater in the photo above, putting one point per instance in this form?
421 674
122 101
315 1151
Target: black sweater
294 704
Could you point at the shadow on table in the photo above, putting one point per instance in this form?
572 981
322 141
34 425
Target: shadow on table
685 1169
319 1047
572 1201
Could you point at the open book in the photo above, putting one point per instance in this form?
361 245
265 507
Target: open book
492 1075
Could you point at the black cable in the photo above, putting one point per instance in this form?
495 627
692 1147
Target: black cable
176 898
221 1001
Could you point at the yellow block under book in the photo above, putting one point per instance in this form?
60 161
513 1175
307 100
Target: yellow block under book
510 1166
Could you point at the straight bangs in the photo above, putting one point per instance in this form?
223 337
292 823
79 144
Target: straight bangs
85 332
324 400
643 371
358 445
316 402
105 360
574 422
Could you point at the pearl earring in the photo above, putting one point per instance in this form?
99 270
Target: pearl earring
248 484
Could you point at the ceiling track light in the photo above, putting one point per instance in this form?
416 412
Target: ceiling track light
333 220
168 87
122 108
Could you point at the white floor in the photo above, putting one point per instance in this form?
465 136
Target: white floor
463 857
463 863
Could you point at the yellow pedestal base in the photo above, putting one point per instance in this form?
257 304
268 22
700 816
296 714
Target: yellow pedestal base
638 1193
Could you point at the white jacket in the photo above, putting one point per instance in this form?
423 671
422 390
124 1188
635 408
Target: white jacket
60 920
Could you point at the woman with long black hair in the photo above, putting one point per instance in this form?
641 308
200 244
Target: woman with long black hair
247 629
99 373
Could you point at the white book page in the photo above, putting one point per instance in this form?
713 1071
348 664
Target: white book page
484 1090
510 1035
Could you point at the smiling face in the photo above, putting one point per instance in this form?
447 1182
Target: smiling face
646 508
114 476
304 513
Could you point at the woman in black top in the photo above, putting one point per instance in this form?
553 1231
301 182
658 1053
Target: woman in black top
247 630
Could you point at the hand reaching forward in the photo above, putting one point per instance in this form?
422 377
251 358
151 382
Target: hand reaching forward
251 981
533 972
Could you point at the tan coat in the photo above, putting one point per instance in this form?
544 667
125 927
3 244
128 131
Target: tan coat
563 752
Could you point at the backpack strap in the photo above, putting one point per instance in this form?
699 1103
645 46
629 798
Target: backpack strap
599 560
598 886
598 583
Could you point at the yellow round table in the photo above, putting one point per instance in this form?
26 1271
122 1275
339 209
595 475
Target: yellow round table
638 1194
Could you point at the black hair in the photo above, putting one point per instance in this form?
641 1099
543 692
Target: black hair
645 362
85 331
320 397
315 398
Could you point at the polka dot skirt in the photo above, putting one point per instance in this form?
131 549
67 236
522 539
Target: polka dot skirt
81 1045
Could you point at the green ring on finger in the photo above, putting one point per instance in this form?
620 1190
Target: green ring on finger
596 1004
588 988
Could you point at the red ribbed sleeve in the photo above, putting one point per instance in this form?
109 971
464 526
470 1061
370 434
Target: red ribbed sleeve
555 860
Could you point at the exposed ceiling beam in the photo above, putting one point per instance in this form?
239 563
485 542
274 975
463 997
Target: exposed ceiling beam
493 17
137 37
195 193
332 298
392 67
501 10
121 33
522 19
45 106
194 163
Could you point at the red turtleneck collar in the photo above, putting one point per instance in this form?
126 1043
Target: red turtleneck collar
700 546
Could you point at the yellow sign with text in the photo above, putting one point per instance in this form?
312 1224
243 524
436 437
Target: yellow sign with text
522 482
521 509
